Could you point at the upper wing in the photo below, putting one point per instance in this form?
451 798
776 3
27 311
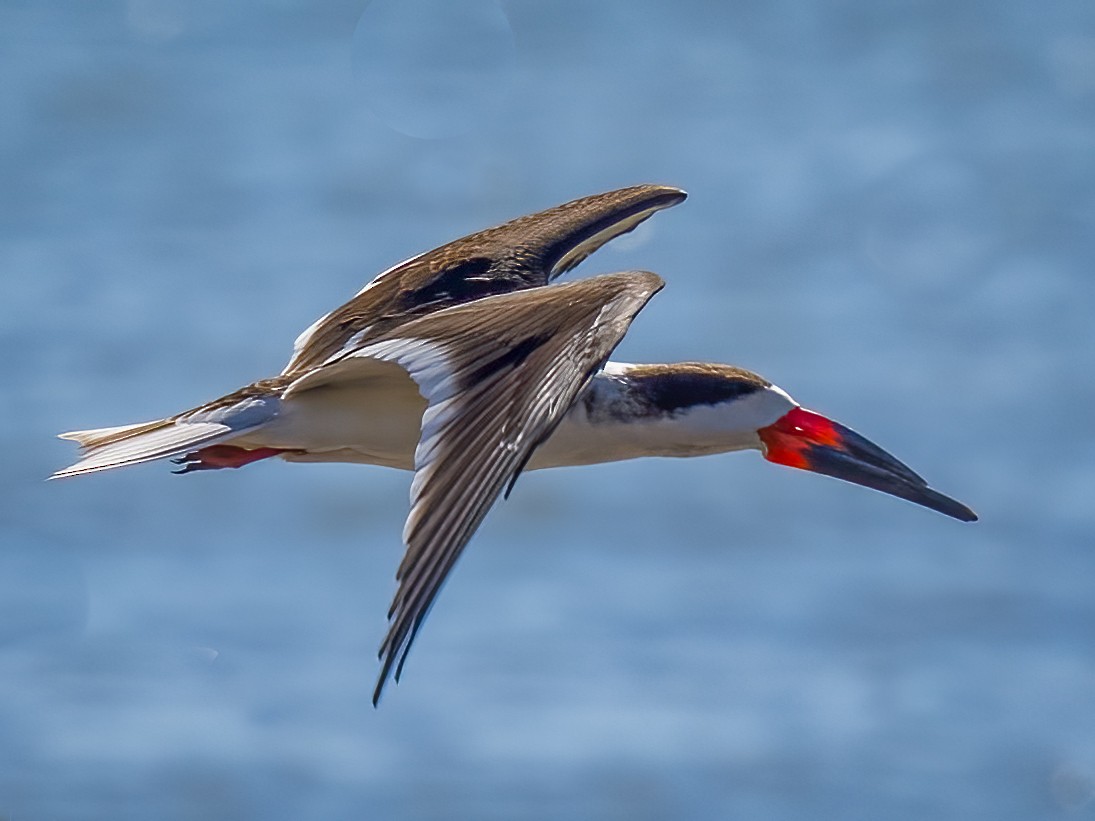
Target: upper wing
524 253
498 376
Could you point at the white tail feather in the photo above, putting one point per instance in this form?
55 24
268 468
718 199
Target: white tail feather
105 448
145 443
100 436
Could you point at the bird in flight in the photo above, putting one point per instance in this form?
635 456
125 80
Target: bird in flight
466 365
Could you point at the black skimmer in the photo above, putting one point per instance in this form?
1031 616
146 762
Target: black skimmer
465 365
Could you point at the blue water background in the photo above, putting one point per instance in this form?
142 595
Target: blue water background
892 215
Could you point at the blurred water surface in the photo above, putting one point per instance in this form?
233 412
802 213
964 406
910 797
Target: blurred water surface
892 216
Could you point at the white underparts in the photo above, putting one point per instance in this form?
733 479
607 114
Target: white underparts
378 421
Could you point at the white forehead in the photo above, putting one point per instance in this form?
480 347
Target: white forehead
617 368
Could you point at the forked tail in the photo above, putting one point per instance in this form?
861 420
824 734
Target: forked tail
105 448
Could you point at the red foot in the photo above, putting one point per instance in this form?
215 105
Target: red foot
223 456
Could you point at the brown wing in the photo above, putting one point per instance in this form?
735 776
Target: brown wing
498 376
525 253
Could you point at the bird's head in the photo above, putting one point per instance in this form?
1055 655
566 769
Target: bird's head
716 408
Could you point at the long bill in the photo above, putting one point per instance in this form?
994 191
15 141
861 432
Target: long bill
807 440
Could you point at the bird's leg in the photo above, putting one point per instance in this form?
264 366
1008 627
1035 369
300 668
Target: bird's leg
215 457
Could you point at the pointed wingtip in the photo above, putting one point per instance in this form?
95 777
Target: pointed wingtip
382 678
673 194
650 281
666 195
578 228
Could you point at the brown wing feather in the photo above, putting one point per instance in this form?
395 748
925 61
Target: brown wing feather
524 253
498 377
